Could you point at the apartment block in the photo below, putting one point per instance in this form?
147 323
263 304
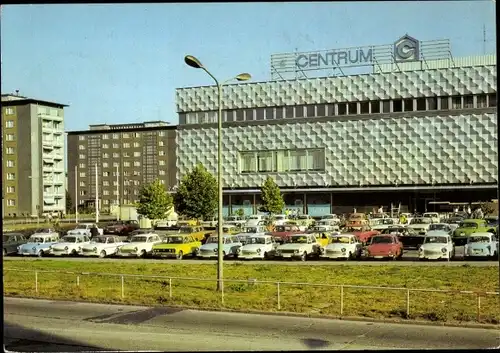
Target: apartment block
32 156
125 156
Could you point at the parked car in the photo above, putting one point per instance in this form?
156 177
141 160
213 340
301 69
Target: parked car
384 246
326 226
481 244
408 236
197 232
139 245
235 220
331 218
38 244
70 245
383 223
364 234
343 246
11 241
440 226
304 222
357 221
102 246
469 226
177 246
323 238
420 225
166 224
280 219
254 220
139 232
231 247
249 231
437 245
300 246
258 246
121 228
434 216
281 233
84 229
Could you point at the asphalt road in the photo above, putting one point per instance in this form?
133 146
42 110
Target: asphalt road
118 327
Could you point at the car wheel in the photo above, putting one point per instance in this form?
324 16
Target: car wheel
4 252
266 256
179 255
303 257
73 252
350 257
40 253
224 254
196 252
143 253
102 254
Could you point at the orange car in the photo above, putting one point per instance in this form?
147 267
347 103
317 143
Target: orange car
357 220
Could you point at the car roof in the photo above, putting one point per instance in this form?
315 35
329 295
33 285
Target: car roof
472 220
481 234
437 232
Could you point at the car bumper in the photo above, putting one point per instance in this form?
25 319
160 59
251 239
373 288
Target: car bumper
27 253
251 256
128 254
433 256
59 252
335 255
165 255
290 256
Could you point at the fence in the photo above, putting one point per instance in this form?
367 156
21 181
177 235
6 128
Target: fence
84 218
279 290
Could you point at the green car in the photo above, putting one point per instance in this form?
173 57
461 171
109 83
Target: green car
469 226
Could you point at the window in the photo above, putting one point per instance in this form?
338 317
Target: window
126 135
105 165
161 162
299 111
115 183
82 184
10 150
162 181
10 164
82 174
240 116
82 156
126 145
11 202
456 102
386 106
136 144
81 138
289 112
116 155
9 137
105 174
353 108
105 145
105 155
137 154
468 101
106 202
9 111
81 147
432 103
105 183
82 192
481 101
265 161
341 109
249 114
137 135
298 160
278 113
126 164
161 172
375 107
115 164
364 108
321 110
397 105
11 176
115 145
160 133
259 114
161 153
136 173
116 136
9 123
11 189
105 136
105 192
82 165
492 100
137 164
247 162
408 105
311 111
316 160
444 103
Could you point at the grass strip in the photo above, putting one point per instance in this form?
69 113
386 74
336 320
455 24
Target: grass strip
300 298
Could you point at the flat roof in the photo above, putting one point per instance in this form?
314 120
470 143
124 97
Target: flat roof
24 101
124 129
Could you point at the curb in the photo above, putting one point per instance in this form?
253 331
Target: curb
287 314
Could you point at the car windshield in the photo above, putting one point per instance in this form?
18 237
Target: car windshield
253 217
393 230
139 239
81 226
381 240
36 240
468 225
327 217
303 217
435 240
250 230
256 240
279 217
232 218
212 240
43 230
185 230
356 216
137 232
421 221
438 227
387 221
68 239
340 240
479 239
298 239
173 240
100 240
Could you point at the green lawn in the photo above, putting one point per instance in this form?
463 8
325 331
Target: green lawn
200 290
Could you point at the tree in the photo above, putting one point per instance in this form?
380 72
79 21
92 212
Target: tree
197 195
239 212
272 200
69 202
488 208
154 201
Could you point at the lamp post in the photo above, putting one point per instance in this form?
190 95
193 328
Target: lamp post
194 62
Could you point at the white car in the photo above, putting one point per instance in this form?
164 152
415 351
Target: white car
343 246
445 227
299 246
280 219
326 225
165 223
139 245
434 216
258 247
383 223
254 220
236 220
84 229
437 245
102 246
420 225
231 246
481 245
253 230
333 218
70 245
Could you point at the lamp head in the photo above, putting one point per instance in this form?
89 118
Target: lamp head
244 77
193 62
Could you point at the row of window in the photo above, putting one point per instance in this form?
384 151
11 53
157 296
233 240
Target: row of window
345 108
125 174
124 145
116 164
282 161
124 135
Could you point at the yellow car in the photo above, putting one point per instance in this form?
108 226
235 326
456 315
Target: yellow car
178 246
322 237
187 223
197 232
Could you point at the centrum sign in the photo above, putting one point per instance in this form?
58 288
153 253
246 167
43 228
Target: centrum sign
345 57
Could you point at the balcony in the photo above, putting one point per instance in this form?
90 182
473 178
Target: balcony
48 144
58 181
47 168
48 160
48 181
48 117
48 200
58 156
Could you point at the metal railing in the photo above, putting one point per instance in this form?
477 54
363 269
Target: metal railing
278 285
84 218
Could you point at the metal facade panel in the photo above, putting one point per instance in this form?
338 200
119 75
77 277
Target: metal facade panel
479 60
413 150
408 84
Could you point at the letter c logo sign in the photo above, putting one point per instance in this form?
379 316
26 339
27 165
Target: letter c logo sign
406 49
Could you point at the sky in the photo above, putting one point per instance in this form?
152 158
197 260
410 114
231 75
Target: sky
121 63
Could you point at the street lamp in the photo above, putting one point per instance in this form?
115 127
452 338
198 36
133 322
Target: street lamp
194 62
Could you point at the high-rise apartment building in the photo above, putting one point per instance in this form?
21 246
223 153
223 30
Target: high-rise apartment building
126 157
32 156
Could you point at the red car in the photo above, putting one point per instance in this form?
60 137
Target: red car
282 233
384 246
121 228
365 234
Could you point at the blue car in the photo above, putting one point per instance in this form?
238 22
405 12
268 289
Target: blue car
38 244
231 247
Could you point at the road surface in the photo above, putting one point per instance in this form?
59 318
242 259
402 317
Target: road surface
118 327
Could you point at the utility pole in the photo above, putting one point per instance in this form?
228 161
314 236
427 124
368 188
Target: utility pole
96 196
76 194
118 193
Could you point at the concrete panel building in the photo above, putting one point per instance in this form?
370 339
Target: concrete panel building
409 136
126 157
32 156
